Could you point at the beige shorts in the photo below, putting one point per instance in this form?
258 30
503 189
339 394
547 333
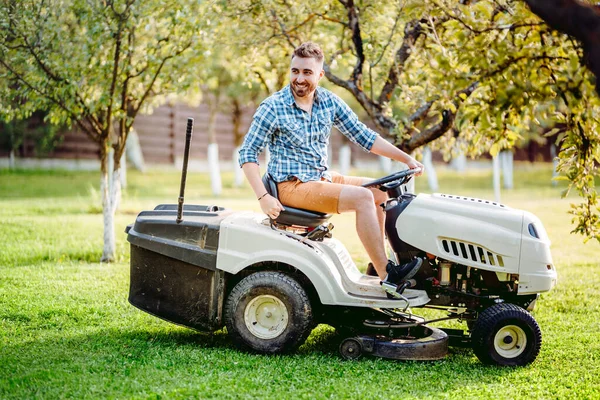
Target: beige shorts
322 196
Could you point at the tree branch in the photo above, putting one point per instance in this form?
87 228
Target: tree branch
283 30
374 64
412 32
354 25
433 132
576 19
115 73
151 85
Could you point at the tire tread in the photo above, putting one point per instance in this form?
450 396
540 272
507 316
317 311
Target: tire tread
485 326
272 279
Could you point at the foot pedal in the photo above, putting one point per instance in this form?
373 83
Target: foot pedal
396 290
320 232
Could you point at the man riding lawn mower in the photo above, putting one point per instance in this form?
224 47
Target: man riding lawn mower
296 123
271 279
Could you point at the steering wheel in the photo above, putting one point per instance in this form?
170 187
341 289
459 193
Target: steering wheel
401 178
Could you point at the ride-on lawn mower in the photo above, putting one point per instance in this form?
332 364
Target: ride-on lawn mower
270 282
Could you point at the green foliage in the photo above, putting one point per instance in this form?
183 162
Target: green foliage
68 331
529 81
93 63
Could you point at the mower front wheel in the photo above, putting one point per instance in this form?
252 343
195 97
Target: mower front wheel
506 334
268 312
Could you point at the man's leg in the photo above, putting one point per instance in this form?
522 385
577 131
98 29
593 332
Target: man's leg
370 226
379 198
346 194
369 223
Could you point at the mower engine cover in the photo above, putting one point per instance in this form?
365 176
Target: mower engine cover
481 234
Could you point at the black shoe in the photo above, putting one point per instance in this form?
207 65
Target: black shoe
399 273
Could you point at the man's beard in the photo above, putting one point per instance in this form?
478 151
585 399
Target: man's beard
302 90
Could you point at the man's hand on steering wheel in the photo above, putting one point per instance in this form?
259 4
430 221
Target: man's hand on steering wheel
414 164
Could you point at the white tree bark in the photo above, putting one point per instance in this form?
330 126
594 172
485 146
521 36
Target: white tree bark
108 251
133 149
386 165
345 158
238 173
554 164
123 174
430 170
507 162
11 159
213 169
115 191
459 163
496 177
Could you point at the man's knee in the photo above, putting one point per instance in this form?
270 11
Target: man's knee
355 198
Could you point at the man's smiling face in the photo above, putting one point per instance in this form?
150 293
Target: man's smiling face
305 74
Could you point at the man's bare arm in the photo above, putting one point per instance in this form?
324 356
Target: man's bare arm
269 204
382 147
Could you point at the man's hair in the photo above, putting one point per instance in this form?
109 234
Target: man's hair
309 50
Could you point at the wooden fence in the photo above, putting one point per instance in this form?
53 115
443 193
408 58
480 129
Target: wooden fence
162 138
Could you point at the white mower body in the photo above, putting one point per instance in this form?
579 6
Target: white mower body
472 232
246 239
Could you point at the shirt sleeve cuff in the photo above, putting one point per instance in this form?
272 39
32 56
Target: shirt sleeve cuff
247 157
370 140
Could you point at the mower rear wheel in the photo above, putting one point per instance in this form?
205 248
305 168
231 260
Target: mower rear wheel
268 312
506 334
351 349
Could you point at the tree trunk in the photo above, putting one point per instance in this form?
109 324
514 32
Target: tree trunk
115 190
430 170
108 250
267 154
507 161
385 164
133 149
554 164
114 173
123 170
213 153
459 163
345 158
11 159
496 177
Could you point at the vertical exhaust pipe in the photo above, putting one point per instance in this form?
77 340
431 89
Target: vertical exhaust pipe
186 155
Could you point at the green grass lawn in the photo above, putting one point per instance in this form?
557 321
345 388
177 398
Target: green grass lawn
67 330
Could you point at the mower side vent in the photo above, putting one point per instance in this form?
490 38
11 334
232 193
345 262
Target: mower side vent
471 252
470 199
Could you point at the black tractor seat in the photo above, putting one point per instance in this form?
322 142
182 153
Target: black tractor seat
291 215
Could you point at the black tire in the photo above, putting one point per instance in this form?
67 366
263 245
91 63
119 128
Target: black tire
507 335
251 327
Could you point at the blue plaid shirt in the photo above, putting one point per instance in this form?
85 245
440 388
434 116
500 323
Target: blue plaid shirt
298 140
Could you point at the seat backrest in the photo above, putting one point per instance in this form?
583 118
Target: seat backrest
270 185
291 215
